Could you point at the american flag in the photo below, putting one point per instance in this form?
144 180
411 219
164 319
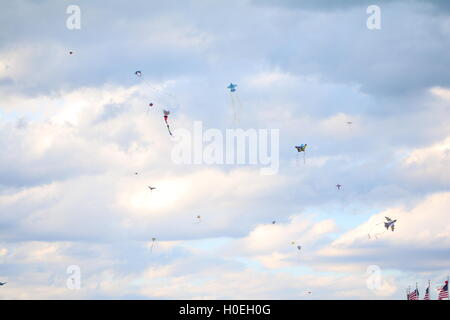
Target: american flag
427 294
414 295
443 293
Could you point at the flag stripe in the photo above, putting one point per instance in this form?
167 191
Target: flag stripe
443 293
414 295
427 294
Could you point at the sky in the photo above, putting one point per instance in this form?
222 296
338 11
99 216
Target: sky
75 128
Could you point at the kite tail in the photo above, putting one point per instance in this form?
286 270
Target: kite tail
168 127
377 233
233 105
239 101
304 157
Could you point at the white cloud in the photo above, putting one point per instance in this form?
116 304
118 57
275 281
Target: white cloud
74 129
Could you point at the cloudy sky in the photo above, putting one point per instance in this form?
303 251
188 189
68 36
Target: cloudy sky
74 129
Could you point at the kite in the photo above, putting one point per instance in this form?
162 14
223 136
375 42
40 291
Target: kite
199 219
138 73
235 101
350 125
166 116
70 52
3 283
273 222
153 242
298 247
150 107
232 87
390 224
378 228
301 148
151 188
338 186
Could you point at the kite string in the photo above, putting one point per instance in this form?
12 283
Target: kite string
159 93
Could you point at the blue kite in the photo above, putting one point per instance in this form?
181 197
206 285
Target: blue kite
232 87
